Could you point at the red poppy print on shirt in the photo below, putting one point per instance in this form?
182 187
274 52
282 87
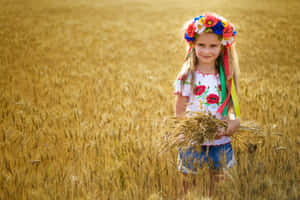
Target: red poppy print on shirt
199 90
212 99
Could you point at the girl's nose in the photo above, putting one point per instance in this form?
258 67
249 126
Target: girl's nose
205 51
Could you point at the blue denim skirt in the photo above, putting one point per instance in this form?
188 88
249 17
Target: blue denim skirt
216 157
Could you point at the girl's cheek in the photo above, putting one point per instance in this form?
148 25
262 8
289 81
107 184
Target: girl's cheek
216 52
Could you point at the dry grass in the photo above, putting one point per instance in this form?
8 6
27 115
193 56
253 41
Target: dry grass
85 84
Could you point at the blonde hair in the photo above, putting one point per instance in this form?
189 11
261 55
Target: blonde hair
191 60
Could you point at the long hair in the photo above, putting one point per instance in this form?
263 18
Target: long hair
189 66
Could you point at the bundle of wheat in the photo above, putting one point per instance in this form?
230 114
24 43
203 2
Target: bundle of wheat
194 130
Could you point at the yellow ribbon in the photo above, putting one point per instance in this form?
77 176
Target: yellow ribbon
235 100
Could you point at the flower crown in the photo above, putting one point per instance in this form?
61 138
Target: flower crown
211 23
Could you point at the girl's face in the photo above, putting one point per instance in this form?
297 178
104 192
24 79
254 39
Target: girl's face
208 47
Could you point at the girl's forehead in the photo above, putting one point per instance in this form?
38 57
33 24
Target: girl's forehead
208 37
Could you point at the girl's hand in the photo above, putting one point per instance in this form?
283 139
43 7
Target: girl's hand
233 125
221 133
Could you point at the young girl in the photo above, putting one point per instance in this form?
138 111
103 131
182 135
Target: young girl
208 83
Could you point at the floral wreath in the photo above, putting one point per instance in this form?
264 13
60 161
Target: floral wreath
211 23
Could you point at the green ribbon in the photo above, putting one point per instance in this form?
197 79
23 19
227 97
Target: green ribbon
223 87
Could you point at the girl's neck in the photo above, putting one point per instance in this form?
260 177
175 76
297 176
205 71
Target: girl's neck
206 68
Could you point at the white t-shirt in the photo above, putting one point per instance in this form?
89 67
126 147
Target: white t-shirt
207 93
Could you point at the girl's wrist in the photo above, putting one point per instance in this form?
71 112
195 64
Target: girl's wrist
229 134
233 125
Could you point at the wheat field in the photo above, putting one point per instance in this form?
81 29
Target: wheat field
86 84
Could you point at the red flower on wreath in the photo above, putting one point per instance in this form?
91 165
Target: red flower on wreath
199 90
212 99
191 30
210 21
228 31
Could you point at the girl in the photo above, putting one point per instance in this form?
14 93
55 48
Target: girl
208 83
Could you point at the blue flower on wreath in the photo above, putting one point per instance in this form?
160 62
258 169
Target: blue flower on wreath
197 18
234 32
218 28
189 39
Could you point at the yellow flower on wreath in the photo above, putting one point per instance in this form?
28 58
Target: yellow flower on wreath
201 21
224 23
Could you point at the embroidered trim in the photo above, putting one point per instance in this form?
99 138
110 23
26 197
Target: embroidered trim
206 74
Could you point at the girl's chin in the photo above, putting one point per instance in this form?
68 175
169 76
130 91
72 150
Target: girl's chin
206 60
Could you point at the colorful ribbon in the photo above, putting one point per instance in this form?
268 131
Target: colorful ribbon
225 56
235 100
232 90
223 89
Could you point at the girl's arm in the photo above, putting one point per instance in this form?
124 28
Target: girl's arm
180 106
233 126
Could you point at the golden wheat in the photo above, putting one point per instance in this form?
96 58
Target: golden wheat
85 85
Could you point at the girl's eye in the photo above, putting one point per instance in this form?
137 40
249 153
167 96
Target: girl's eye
201 45
213 45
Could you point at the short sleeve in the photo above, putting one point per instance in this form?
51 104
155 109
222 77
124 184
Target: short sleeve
186 90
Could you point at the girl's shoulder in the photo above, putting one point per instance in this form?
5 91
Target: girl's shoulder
185 76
